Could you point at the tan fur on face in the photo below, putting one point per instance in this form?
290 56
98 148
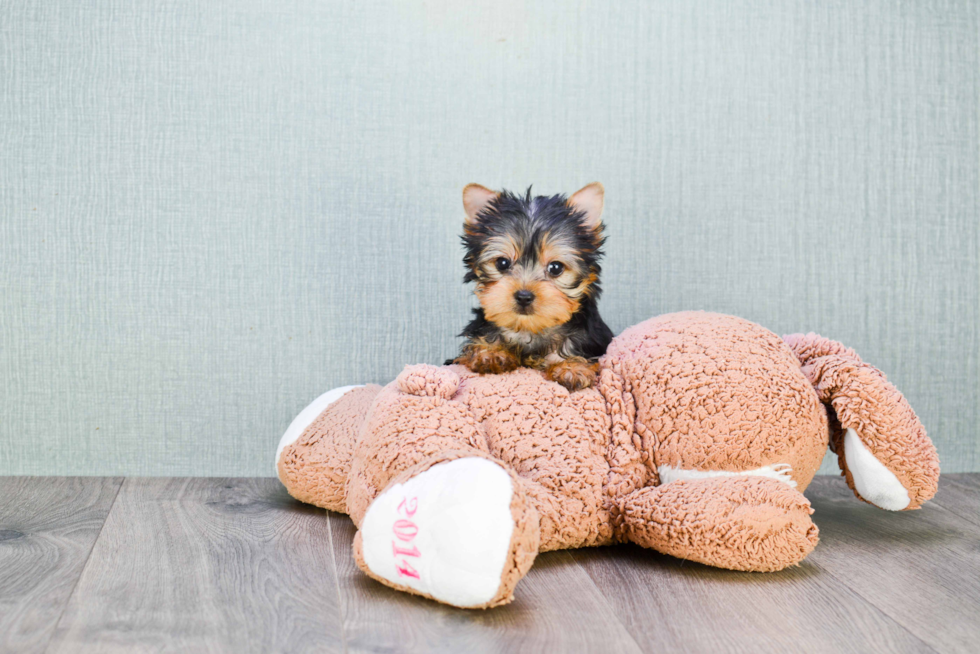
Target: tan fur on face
551 306
584 286
556 250
553 249
497 247
556 298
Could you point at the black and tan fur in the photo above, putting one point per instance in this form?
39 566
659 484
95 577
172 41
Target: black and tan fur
535 261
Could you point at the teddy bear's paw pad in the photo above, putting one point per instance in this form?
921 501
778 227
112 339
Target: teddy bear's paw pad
445 532
307 416
872 480
779 471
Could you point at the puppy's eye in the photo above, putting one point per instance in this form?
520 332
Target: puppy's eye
556 268
503 264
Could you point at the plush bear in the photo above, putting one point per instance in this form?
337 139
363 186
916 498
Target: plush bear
697 440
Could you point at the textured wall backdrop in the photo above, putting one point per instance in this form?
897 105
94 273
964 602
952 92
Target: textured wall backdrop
210 212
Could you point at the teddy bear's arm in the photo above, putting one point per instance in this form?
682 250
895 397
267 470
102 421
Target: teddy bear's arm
437 514
314 455
739 523
881 445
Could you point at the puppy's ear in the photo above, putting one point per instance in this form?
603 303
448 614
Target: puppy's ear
475 200
588 200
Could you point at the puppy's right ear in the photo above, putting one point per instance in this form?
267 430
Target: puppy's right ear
475 199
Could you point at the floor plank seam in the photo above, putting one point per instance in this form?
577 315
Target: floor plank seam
336 583
973 519
877 608
942 505
605 601
88 558
871 613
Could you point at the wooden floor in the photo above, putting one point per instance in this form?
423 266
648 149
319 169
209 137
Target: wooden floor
235 565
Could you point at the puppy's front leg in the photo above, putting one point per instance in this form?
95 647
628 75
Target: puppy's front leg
574 373
484 358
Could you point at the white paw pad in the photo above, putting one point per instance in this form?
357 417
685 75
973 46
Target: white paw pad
445 532
779 471
873 481
307 416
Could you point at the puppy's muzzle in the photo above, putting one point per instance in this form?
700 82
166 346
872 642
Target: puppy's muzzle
524 298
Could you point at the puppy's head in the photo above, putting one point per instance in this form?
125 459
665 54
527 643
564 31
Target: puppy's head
534 259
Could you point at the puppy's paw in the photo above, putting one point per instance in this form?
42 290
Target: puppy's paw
488 358
574 373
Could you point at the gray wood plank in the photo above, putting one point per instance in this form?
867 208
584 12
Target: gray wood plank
673 605
47 528
237 565
960 494
557 609
921 568
195 565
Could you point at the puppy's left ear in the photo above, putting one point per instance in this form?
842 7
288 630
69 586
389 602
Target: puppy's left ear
475 199
588 200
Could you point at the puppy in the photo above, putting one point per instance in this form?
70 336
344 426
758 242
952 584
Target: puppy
535 261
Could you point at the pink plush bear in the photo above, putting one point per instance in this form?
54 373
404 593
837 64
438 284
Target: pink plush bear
697 440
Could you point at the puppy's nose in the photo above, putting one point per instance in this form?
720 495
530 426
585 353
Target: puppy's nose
524 297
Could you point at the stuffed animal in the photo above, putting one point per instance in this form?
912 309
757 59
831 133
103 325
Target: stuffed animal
697 441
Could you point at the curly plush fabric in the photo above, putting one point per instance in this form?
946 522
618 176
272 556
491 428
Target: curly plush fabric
863 400
746 523
315 467
719 393
523 546
697 440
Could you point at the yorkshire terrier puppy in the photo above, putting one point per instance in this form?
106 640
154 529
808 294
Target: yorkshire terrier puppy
535 261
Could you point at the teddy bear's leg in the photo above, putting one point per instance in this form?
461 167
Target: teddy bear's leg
881 446
739 523
437 515
314 455
458 528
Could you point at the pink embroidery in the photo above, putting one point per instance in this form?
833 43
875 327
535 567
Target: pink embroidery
406 570
406 531
411 507
404 551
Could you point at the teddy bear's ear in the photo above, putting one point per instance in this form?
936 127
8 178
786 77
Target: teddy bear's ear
588 200
475 199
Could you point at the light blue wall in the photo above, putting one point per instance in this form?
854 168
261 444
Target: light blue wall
212 211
